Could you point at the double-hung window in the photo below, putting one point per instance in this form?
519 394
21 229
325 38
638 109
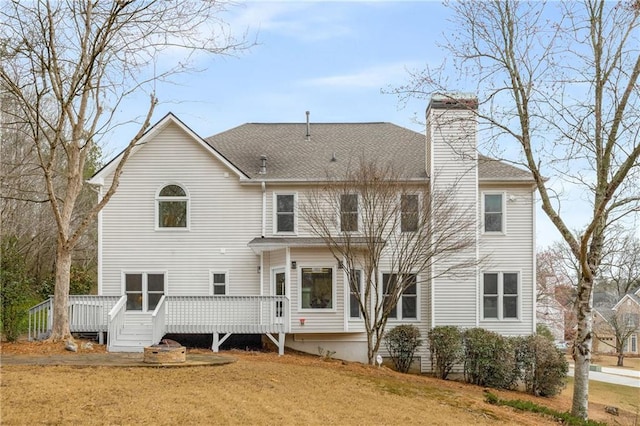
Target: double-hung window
355 293
143 290
408 300
500 292
409 215
172 208
219 282
285 213
493 213
316 288
349 212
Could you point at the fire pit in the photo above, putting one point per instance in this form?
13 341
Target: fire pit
165 352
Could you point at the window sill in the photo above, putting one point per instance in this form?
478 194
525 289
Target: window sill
500 321
404 320
173 229
317 310
494 233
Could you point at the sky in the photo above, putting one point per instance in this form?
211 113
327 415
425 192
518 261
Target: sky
335 59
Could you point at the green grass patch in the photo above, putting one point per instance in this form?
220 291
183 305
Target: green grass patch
564 417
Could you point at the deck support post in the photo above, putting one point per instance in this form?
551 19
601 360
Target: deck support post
101 337
279 342
217 341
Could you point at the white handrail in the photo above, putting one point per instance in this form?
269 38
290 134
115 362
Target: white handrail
40 319
158 321
116 320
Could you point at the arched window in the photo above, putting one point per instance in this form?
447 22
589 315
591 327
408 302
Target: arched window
172 207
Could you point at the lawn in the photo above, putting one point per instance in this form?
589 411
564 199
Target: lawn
260 388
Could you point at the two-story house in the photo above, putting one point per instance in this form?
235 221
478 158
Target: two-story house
205 235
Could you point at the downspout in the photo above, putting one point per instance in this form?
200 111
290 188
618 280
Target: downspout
264 224
264 208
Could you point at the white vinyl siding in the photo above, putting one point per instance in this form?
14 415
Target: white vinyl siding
217 204
451 138
512 252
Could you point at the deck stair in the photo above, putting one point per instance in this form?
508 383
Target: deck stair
135 334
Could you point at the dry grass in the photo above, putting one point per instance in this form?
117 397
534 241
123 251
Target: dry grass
260 388
630 363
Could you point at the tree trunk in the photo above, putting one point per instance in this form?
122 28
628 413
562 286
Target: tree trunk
60 328
371 355
582 350
620 359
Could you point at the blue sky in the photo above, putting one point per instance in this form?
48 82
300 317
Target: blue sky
333 59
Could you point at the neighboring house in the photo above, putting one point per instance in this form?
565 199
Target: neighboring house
551 313
620 321
204 236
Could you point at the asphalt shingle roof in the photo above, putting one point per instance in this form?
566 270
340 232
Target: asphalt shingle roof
332 148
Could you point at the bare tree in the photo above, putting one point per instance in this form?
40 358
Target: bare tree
563 86
618 324
373 220
620 266
67 67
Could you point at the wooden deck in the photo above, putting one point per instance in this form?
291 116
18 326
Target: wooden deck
219 315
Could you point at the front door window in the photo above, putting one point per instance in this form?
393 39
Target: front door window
280 290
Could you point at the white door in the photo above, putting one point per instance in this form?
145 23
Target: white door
279 288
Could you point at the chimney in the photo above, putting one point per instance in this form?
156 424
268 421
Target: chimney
451 131
263 164
308 137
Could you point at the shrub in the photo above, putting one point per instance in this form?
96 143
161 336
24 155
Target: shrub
402 343
445 345
15 291
543 330
542 366
489 359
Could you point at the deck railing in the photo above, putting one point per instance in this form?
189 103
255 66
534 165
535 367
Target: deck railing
173 314
159 321
116 320
227 314
90 313
40 320
87 313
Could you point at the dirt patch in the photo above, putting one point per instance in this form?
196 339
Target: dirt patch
260 388
50 348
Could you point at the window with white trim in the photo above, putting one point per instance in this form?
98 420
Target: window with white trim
285 212
409 214
316 288
408 300
349 212
355 289
172 208
143 290
500 292
494 212
219 282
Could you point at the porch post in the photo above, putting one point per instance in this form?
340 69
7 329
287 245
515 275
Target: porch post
101 337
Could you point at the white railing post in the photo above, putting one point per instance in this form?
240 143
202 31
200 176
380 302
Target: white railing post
115 320
158 321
